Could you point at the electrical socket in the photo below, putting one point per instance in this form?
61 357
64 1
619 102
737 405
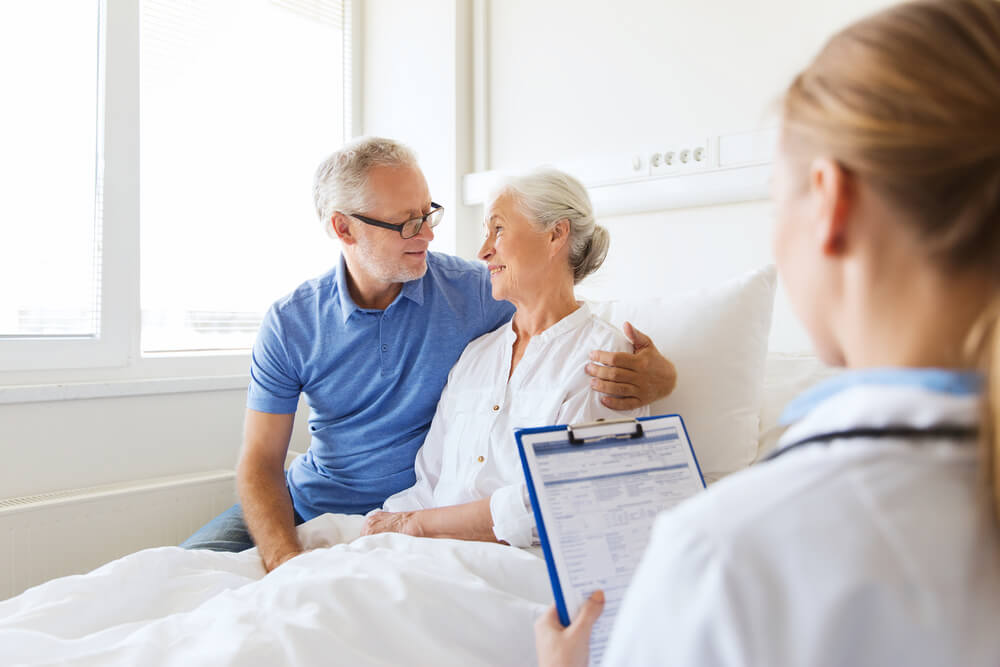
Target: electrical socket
679 158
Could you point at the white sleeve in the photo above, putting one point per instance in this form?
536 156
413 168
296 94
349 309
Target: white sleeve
427 467
584 404
685 605
513 521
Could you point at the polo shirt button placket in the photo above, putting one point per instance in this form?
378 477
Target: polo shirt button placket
382 346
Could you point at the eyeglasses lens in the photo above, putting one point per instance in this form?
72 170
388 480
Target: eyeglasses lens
412 227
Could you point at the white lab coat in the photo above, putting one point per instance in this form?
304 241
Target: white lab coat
856 551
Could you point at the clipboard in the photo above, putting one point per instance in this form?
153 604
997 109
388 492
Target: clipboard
595 490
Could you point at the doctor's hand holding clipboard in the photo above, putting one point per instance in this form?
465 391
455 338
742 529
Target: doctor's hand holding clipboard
559 646
596 490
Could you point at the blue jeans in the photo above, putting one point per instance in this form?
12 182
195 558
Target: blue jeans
226 532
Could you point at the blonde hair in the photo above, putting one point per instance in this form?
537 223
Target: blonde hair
909 100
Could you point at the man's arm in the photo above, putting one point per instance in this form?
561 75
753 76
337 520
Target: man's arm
633 380
260 481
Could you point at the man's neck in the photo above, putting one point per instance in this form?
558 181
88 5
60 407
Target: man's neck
367 291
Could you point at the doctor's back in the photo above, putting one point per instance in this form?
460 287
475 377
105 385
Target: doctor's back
860 551
870 537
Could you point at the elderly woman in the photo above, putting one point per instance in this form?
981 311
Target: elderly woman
541 240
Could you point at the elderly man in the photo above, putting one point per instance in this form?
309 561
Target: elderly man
370 344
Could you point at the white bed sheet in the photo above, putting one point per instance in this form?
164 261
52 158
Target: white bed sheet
385 599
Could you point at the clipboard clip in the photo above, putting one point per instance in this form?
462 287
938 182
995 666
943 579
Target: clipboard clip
595 430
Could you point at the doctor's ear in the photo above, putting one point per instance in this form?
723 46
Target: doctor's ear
832 191
342 228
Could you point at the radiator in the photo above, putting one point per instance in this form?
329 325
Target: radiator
72 532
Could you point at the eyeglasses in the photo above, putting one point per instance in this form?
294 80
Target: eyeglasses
411 227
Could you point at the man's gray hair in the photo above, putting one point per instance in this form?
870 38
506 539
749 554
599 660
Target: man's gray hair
341 180
547 196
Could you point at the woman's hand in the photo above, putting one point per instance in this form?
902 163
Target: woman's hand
468 521
407 523
633 380
567 647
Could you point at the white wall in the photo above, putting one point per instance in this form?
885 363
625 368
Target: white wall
56 445
567 78
570 79
415 89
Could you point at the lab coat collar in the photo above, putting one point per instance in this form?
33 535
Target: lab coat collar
884 398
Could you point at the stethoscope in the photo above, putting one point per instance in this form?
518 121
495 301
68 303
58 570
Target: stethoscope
944 431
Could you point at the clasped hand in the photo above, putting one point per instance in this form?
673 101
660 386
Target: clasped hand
632 380
393 522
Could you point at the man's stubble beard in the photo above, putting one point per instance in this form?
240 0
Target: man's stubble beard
388 274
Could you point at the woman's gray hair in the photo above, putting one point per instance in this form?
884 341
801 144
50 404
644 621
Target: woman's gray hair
548 196
341 180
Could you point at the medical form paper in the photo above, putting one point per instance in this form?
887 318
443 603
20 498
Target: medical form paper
595 503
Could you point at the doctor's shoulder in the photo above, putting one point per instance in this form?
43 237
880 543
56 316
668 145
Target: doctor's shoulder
759 519
724 557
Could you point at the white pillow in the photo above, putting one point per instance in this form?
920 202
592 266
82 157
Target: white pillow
717 338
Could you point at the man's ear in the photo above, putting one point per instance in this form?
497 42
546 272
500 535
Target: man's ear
831 189
342 228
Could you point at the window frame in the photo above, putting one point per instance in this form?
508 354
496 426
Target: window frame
70 366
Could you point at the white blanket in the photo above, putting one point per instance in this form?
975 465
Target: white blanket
380 600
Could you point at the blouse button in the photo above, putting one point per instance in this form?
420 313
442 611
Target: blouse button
496 408
480 459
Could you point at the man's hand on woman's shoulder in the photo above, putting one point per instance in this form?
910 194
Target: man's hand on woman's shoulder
632 380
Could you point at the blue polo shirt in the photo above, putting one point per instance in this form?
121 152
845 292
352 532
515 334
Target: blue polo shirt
372 378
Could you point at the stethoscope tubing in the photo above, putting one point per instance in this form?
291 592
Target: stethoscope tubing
942 432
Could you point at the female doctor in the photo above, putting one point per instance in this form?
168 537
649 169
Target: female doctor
870 537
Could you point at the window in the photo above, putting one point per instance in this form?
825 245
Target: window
50 258
241 100
158 161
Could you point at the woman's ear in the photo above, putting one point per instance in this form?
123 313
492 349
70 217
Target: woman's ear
559 235
831 189
342 228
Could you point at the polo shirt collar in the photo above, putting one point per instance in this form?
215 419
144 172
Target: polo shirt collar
412 290
347 305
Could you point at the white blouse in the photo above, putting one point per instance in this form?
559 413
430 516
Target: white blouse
470 452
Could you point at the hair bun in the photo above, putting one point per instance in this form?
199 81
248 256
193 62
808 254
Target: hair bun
593 255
